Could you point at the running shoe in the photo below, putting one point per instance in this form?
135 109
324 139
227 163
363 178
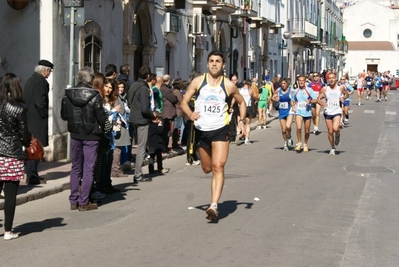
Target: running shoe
163 171
317 132
237 139
211 213
386 99
247 142
285 148
346 121
359 104
258 127
305 148
196 162
378 100
337 139
298 147
332 152
290 142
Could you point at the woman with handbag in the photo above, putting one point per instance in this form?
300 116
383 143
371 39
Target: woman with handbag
14 135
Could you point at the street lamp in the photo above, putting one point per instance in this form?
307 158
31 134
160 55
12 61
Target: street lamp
285 36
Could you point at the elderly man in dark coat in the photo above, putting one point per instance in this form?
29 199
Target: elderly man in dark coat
169 101
35 95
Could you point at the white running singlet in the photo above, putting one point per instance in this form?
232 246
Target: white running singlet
332 98
211 103
247 97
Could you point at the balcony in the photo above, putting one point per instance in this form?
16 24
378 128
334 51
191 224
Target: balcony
303 31
205 3
248 8
226 6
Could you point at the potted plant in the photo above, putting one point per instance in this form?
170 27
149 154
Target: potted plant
247 4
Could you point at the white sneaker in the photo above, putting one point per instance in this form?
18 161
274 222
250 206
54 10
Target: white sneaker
196 162
98 195
358 104
386 99
10 235
346 120
264 127
285 148
332 152
247 142
290 142
258 127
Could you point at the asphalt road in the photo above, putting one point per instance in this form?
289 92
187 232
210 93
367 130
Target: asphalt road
278 208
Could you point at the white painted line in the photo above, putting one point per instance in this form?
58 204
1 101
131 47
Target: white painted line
390 112
369 111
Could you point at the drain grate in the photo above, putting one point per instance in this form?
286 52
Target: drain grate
368 169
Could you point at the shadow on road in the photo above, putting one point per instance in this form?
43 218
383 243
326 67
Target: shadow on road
32 227
226 208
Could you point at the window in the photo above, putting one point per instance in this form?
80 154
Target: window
367 33
92 53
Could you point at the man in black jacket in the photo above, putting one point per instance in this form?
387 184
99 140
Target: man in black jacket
36 99
138 99
82 108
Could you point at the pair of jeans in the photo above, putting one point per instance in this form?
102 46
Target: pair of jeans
142 136
84 154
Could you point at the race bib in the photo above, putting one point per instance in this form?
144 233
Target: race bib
301 105
368 83
210 109
283 105
333 104
316 93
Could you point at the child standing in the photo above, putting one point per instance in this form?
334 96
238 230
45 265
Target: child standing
156 144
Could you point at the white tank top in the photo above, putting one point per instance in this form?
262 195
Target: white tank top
245 94
332 97
359 83
211 103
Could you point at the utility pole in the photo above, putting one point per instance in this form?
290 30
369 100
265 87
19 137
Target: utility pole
70 20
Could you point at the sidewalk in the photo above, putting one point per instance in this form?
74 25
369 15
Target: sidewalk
57 176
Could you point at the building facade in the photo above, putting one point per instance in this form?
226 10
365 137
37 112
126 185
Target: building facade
373 43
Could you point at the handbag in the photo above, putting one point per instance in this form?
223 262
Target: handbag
35 149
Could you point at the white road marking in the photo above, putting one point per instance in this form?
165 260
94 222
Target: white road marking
369 111
390 112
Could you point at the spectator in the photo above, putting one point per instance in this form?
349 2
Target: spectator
36 99
179 119
14 135
156 145
82 108
139 104
169 101
124 72
110 71
156 90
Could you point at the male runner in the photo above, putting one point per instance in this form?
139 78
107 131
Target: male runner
334 94
316 85
211 119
